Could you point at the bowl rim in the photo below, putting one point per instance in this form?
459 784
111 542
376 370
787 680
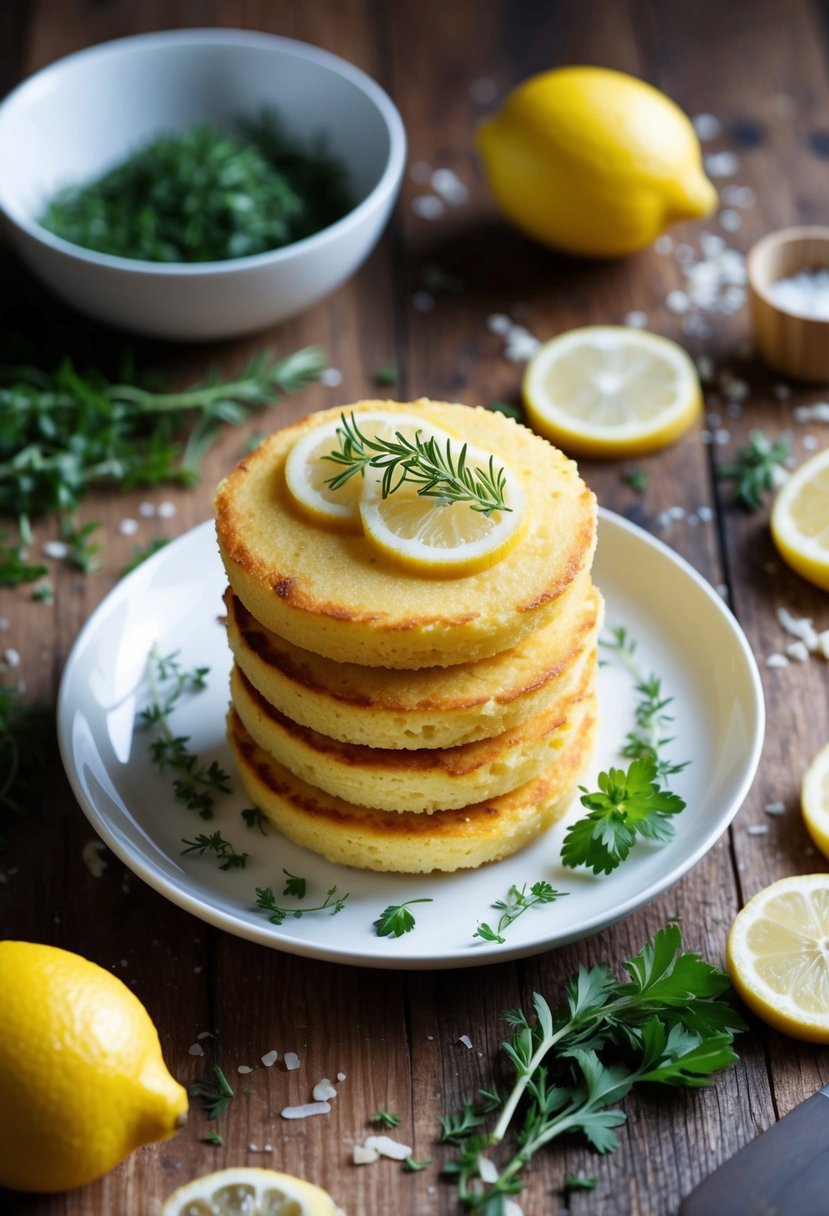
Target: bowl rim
782 236
225 36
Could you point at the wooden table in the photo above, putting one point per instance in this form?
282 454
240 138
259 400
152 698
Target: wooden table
762 73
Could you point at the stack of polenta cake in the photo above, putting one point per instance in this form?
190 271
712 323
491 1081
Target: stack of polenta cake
394 711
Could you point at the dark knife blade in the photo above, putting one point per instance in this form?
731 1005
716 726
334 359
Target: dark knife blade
784 1172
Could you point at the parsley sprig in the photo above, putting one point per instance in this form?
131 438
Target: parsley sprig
396 919
756 469
63 433
439 472
664 1024
517 902
266 901
197 782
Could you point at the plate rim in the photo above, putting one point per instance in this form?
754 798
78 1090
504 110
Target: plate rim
183 897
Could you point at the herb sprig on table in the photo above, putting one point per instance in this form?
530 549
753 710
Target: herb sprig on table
664 1024
756 470
439 472
206 195
63 433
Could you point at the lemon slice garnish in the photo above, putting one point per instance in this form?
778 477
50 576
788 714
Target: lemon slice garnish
249 1192
440 538
814 800
611 391
800 520
778 956
307 472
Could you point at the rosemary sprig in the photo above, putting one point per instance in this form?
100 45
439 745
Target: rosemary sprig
63 433
198 782
386 1118
756 469
215 1095
266 901
227 857
439 472
517 902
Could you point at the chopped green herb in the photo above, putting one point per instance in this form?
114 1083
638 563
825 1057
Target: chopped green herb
254 818
414 1166
439 471
386 374
396 919
206 195
756 469
15 569
43 593
293 885
386 1119
82 554
266 902
664 1024
579 1183
223 850
215 1095
637 479
515 905
213 1137
141 553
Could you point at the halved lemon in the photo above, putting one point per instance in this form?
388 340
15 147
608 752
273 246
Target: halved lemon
249 1192
611 391
800 520
444 538
814 800
307 472
778 956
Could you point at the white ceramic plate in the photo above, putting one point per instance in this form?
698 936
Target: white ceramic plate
684 632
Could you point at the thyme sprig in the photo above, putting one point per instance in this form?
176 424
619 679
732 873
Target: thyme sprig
266 901
227 857
198 782
665 1024
439 472
63 433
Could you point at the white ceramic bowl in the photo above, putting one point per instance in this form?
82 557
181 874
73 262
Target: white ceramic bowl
78 117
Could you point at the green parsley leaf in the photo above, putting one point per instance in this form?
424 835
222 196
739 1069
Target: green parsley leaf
396 919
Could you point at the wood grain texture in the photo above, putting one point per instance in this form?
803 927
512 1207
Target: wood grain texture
397 1037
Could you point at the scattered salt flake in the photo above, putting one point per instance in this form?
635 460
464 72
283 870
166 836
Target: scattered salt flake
664 245
146 510
636 319
798 652
707 126
340 1076
711 244
364 1156
427 206
730 220
56 548
467 1042
323 1090
819 412
722 436
738 196
205 1034
499 323
387 1147
166 510
757 829
331 377
128 527
270 1058
798 627
196 1049
487 1169
306 1110
93 859
244 1069
705 513
774 808
777 660
810 442
677 301
11 657
705 367
449 186
291 1060
722 164
676 512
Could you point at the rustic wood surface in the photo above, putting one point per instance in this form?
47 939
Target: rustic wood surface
761 69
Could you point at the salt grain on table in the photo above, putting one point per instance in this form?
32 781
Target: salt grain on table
270 1058
323 1090
387 1147
306 1110
292 1061
819 412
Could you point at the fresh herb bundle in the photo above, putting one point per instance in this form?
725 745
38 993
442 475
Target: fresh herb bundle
62 433
665 1024
756 469
207 195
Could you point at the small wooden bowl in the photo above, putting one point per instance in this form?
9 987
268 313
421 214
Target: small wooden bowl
793 344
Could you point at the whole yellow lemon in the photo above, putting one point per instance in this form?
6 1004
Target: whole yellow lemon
82 1078
593 161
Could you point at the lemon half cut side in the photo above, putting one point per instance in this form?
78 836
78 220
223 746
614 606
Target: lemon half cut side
611 391
778 956
814 800
800 520
247 1191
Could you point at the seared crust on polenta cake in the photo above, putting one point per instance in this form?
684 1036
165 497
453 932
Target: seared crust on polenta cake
333 593
430 707
404 842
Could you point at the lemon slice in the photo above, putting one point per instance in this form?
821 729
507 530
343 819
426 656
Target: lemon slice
249 1192
438 538
814 800
306 472
778 956
611 391
800 520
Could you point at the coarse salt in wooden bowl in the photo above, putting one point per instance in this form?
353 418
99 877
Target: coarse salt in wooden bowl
788 275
